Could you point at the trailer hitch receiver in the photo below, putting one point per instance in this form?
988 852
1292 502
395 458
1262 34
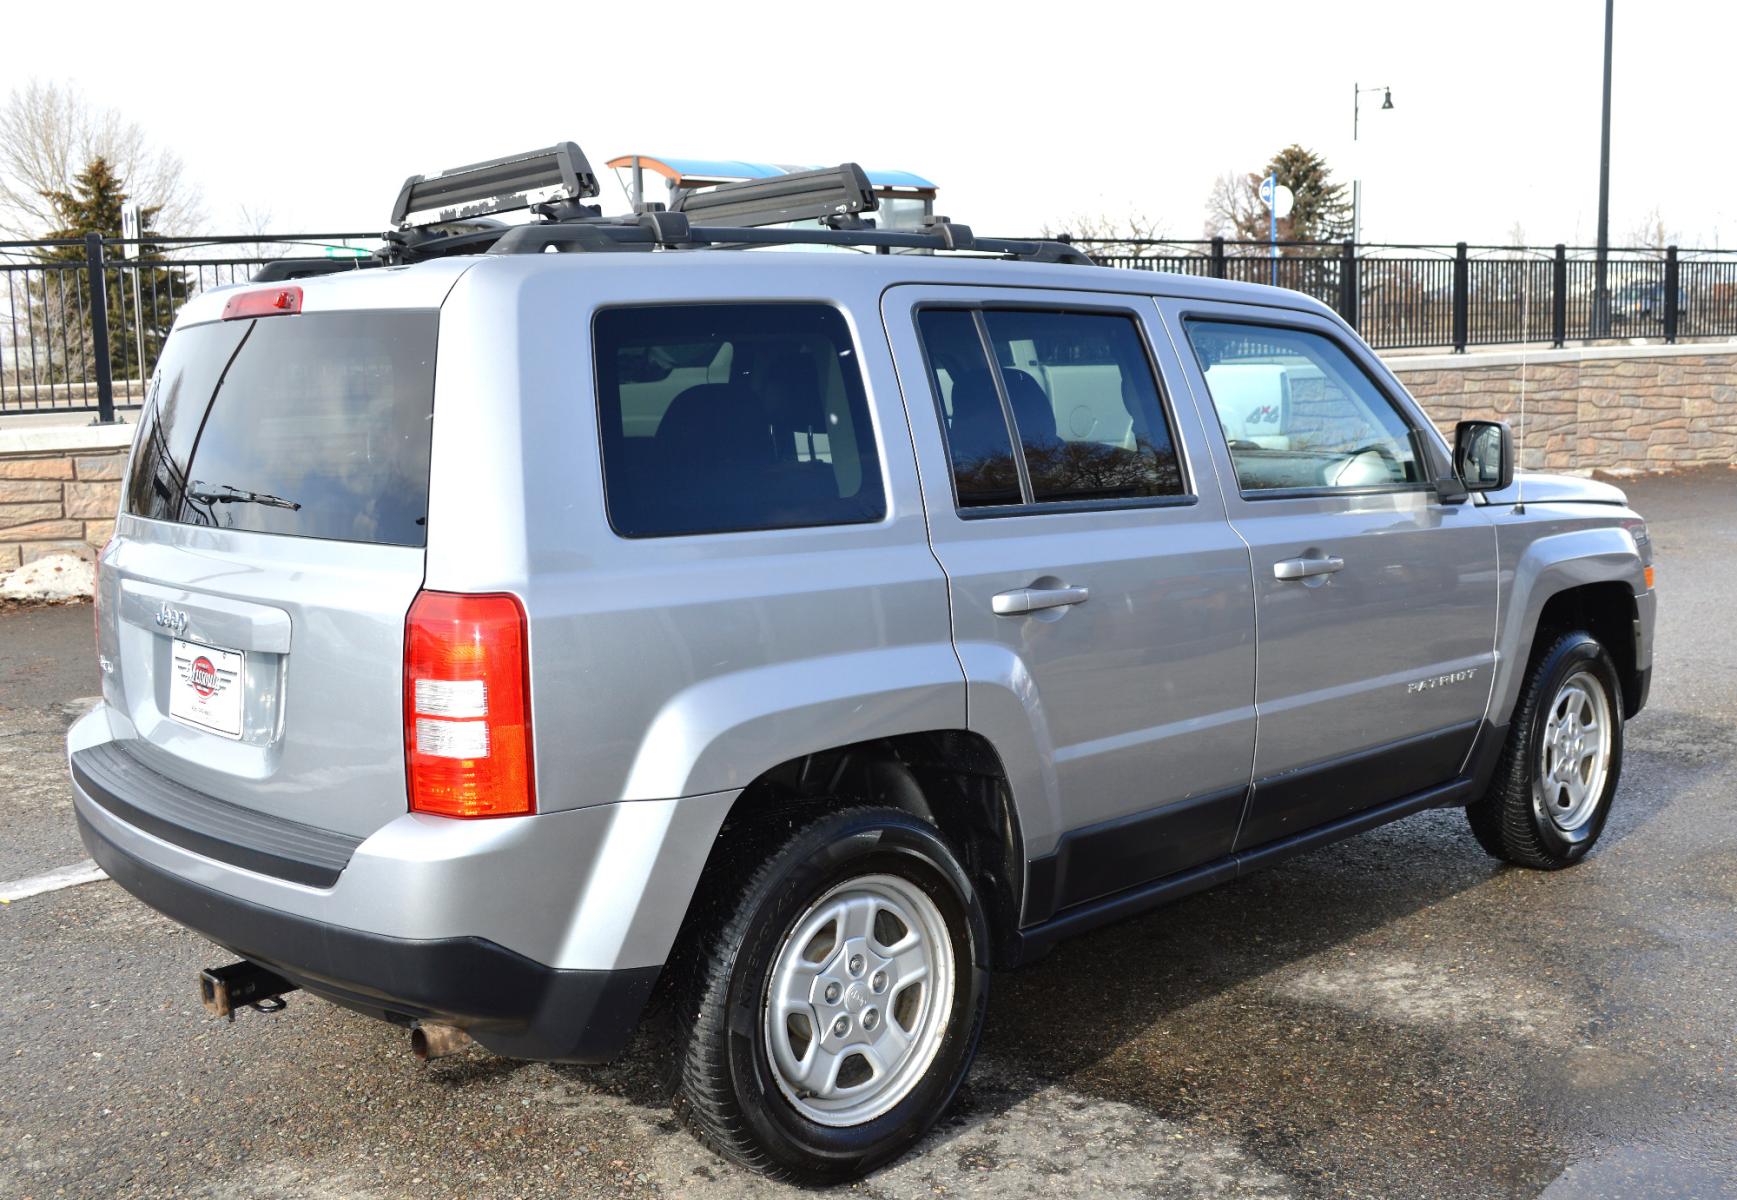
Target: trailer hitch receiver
242 984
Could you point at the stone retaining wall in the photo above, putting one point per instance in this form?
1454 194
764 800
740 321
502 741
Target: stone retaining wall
59 490
1621 409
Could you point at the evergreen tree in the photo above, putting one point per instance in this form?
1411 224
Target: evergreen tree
139 318
1321 212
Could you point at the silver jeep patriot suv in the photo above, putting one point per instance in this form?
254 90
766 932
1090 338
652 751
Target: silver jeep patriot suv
561 612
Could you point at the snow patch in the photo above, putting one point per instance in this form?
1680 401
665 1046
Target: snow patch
51 579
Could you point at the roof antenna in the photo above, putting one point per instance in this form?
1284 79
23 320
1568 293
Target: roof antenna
1525 342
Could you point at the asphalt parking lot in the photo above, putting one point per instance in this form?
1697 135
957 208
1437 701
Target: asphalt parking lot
1394 1016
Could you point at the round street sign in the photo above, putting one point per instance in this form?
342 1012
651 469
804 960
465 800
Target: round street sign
1282 203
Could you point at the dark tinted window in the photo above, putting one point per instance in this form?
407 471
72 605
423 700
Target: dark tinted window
1086 405
313 425
977 438
1082 398
720 417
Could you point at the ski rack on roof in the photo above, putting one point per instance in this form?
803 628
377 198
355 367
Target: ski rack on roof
552 182
457 207
832 195
672 231
560 174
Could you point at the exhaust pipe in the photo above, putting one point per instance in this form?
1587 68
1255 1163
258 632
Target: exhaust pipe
242 984
429 1040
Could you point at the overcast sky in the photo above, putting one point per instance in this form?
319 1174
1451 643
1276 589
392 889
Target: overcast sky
1024 113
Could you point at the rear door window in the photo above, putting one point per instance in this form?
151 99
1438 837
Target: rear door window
1074 391
727 417
978 442
311 425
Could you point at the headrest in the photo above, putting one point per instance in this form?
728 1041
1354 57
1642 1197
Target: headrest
1031 407
717 422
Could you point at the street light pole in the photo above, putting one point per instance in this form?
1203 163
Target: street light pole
1601 293
1356 180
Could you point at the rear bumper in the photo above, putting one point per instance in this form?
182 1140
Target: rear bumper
509 1003
542 936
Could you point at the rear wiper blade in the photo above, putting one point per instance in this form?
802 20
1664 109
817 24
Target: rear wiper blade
224 493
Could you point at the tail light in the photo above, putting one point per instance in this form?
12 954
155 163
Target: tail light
467 718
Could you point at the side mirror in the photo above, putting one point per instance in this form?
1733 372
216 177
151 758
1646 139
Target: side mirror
1484 455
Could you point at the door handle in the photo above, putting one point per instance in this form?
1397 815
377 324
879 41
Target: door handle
1305 568
1029 600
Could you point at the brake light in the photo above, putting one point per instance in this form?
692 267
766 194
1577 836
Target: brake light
268 302
467 720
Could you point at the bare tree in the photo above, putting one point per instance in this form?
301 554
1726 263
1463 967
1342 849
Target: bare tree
49 133
1126 235
258 222
1653 234
1234 205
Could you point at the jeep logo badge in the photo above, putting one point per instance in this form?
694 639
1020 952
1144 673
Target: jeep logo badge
171 619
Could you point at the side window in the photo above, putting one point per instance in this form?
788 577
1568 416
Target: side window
1075 388
726 417
978 443
1298 412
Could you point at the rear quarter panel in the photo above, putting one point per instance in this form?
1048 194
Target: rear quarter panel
676 666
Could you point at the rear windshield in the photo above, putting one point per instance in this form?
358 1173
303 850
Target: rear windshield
312 425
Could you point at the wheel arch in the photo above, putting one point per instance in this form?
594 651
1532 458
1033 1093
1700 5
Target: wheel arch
1587 578
952 778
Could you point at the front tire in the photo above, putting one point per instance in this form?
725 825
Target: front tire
1550 796
837 993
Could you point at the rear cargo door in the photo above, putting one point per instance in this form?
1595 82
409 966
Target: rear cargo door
269 544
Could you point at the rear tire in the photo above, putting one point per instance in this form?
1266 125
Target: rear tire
1550 796
836 993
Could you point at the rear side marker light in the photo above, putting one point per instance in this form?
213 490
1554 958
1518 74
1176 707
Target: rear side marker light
467 720
266 302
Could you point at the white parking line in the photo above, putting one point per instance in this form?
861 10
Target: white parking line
63 877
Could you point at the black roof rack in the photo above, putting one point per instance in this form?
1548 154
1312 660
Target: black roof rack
832 194
672 231
552 182
559 174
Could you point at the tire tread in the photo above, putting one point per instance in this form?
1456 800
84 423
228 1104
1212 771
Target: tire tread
1502 819
752 854
707 1102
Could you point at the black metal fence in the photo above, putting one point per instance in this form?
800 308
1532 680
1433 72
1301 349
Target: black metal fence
1404 297
82 322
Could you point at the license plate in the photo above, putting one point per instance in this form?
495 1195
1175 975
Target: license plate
205 688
